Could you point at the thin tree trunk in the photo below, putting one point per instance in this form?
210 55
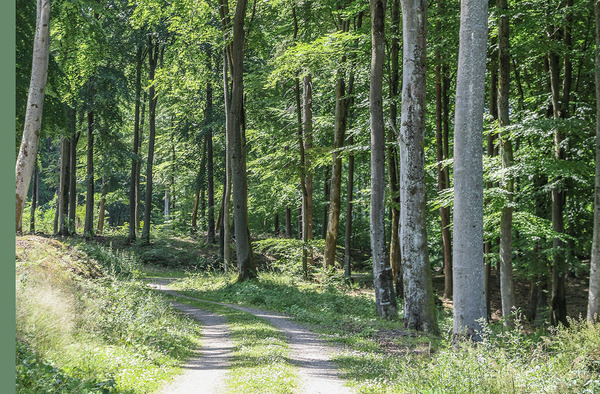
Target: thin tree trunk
138 191
153 50
507 287
276 224
419 311
444 211
73 170
34 198
348 232
33 115
227 259
326 183
385 299
467 254
64 182
102 210
395 255
307 202
288 222
210 182
135 161
593 310
194 223
88 228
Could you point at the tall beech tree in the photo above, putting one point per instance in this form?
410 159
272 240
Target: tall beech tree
467 253
385 299
419 311
507 287
35 104
593 310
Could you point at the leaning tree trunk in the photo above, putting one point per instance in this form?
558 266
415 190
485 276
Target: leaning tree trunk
507 287
593 311
35 104
88 228
467 259
419 311
385 299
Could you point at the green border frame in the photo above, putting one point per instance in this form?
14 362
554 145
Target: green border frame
7 197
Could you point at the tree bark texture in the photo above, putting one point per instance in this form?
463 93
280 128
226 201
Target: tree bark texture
593 311
467 259
33 115
507 287
385 299
88 227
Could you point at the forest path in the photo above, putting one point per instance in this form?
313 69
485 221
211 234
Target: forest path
310 354
206 371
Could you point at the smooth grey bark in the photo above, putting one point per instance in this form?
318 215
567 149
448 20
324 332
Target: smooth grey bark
88 227
33 115
235 54
135 160
419 311
593 311
507 287
385 299
467 260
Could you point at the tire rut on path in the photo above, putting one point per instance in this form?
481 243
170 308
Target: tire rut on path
205 372
310 354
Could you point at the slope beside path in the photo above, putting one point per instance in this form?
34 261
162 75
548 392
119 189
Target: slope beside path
310 354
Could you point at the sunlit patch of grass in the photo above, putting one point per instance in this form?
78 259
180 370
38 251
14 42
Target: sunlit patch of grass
260 355
95 331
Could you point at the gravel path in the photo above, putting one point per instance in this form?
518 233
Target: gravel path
309 353
206 371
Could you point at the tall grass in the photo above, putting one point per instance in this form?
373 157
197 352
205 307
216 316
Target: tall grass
92 331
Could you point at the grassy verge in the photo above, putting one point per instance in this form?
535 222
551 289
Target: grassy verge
383 357
84 324
261 355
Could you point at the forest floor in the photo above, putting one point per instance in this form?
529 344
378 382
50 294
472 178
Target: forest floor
309 354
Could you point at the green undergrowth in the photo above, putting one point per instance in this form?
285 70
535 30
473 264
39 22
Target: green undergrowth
83 324
381 356
260 355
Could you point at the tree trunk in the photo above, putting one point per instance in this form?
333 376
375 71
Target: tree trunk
467 259
419 311
210 182
507 287
34 198
33 115
194 223
227 259
307 201
102 210
135 161
88 228
336 175
348 232
444 211
64 182
385 299
73 170
276 224
593 311
395 255
288 222
138 191
153 50
326 183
